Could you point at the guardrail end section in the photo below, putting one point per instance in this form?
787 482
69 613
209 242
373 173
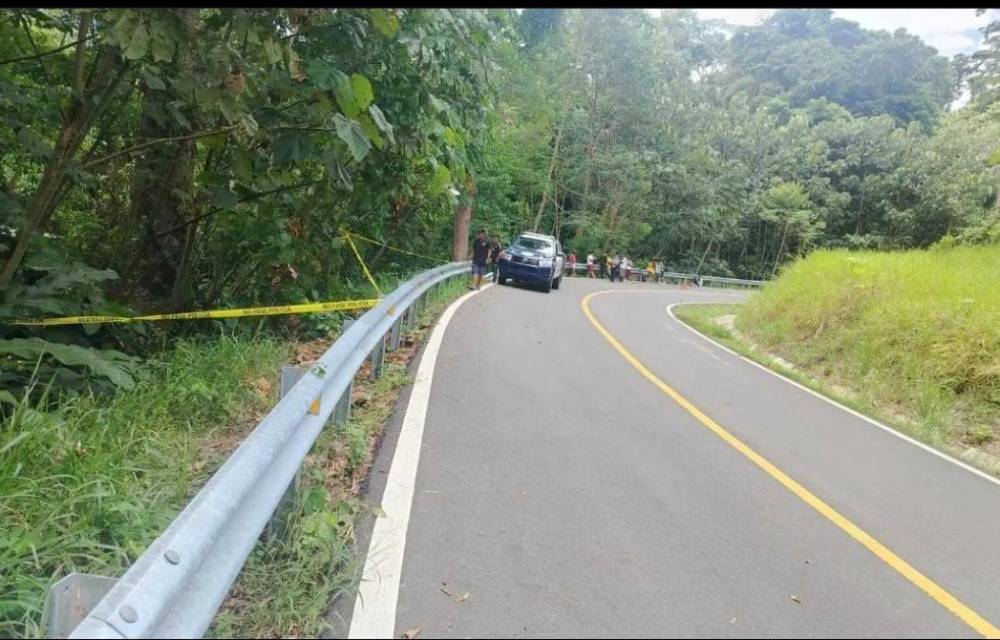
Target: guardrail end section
71 600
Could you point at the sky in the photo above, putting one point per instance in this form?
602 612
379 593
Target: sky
950 31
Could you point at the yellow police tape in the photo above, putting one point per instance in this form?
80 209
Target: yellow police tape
391 248
362 263
310 307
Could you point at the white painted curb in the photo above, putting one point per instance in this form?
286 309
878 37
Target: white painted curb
374 613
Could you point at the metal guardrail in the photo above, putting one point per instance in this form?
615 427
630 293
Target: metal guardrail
175 588
684 277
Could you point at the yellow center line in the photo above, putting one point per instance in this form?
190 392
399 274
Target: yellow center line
925 584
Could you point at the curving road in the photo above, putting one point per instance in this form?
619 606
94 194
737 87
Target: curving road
572 487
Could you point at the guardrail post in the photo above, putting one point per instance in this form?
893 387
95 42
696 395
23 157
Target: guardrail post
377 358
411 317
71 600
276 526
342 412
394 334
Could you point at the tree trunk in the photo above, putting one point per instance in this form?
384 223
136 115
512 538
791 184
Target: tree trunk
548 182
460 232
703 256
76 126
163 194
460 228
781 247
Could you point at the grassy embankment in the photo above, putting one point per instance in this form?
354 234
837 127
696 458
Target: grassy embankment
912 338
88 485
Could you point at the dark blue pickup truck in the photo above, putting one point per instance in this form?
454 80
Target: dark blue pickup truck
533 258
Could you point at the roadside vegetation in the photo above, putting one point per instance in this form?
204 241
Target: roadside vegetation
288 583
171 160
88 484
910 337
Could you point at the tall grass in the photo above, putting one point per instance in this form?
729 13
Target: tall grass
87 486
918 331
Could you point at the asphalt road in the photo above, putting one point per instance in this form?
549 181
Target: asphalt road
569 496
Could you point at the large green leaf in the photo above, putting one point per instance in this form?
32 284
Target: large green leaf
344 91
64 277
438 103
363 94
291 146
335 170
379 118
371 131
385 22
351 132
272 51
138 43
162 45
322 73
441 180
107 363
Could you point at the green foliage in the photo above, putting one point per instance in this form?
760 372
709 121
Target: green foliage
673 143
616 130
802 55
89 484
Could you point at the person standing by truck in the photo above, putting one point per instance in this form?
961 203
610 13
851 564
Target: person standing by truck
494 256
571 263
480 253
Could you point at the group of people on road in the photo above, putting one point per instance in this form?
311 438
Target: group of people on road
486 251
617 267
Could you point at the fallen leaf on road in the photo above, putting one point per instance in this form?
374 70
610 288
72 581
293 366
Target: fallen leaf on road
732 621
445 592
411 633
464 597
795 599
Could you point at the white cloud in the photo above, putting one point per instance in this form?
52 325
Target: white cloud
950 31
746 17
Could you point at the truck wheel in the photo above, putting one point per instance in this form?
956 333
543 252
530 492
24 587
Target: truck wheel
547 287
557 282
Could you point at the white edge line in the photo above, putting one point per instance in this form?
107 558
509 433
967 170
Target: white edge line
374 614
927 448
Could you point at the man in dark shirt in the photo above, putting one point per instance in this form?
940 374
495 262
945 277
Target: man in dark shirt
494 258
480 252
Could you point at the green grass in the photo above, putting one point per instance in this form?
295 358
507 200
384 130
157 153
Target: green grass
910 337
87 486
287 585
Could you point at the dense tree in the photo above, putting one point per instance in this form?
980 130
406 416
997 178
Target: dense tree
184 159
802 55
